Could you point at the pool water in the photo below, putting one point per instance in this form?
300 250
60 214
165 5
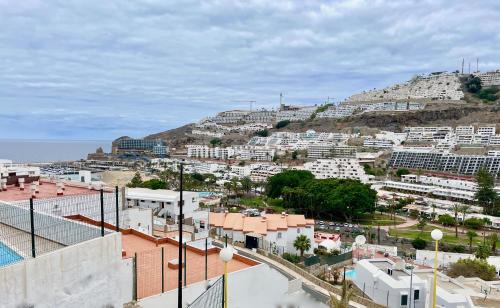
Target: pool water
8 255
351 274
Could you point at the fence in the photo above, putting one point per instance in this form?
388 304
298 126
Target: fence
329 260
213 297
34 227
156 271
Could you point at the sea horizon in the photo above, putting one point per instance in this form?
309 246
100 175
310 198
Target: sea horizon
49 150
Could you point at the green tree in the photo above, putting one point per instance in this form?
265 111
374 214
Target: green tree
456 210
246 184
262 133
282 124
419 243
473 84
471 235
472 268
486 196
402 171
474 223
287 178
493 239
215 141
422 222
446 220
483 251
136 181
154 184
302 243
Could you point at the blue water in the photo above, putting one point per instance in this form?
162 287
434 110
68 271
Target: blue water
205 194
34 151
351 274
8 255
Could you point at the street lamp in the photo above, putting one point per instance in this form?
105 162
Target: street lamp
226 254
359 240
436 235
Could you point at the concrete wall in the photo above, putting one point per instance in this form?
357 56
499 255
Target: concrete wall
83 275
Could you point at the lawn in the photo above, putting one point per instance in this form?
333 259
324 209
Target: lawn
378 220
448 236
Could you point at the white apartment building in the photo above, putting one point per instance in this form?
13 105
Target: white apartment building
342 168
298 114
261 172
486 130
388 283
464 130
165 203
206 133
271 232
326 150
256 153
203 151
229 117
377 143
240 171
489 78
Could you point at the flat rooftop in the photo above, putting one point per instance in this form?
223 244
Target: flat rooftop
47 190
148 251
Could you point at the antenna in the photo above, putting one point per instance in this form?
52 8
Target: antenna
469 67
477 65
463 60
281 100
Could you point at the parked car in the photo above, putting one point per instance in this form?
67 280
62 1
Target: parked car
337 229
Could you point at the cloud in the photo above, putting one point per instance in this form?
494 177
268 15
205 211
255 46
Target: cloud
110 68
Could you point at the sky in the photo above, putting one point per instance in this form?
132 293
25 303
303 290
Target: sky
97 70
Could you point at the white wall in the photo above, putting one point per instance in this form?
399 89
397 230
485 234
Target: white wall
83 275
140 219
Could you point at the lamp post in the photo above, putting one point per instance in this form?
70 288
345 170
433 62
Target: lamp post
359 240
226 254
436 235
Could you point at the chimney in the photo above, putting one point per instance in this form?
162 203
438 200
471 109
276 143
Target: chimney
37 189
62 186
4 184
21 183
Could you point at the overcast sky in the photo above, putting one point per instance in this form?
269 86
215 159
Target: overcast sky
101 69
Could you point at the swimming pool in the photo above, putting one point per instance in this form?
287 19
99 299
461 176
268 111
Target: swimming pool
8 255
351 274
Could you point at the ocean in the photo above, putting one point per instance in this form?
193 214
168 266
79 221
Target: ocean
41 151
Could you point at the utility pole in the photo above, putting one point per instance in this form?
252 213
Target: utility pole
463 62
181 218
477 65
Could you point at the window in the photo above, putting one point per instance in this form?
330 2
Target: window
279 234
416 295
404 300
298 230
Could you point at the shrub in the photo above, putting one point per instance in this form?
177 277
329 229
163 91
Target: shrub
282 124
402 171
474 223
291 257
458 248
446 220
489 94
472 268
419 243
262 133
473 84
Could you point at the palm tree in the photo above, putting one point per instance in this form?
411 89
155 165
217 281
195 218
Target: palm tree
471 235
421 224
456 209
464 209
346 295
246 184
302 243
493 242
